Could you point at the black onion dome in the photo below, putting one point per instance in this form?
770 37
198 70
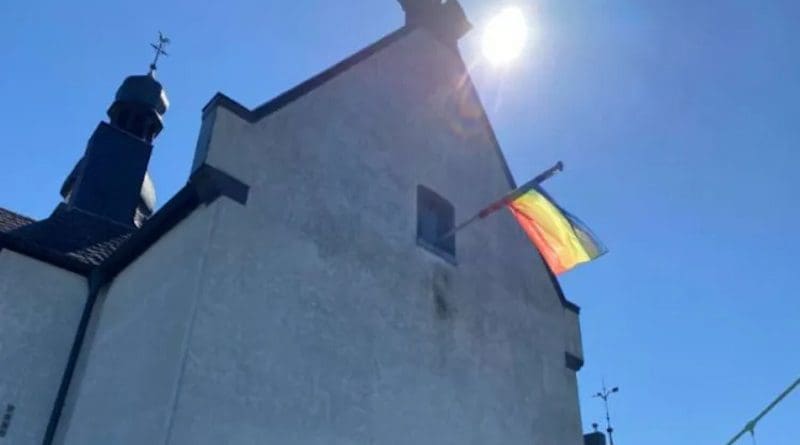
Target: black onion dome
139 107
144 90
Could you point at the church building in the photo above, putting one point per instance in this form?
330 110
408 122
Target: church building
298 289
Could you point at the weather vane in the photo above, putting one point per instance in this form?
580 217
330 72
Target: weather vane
163 41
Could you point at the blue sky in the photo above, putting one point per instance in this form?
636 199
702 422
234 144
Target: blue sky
677 121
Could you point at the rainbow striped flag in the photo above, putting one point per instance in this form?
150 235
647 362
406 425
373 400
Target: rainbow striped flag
563 239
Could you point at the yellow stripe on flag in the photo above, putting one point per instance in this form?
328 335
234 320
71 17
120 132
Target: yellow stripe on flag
562 245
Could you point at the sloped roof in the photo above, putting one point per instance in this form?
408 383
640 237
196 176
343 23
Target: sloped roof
78 239
80 235
81 242
11 221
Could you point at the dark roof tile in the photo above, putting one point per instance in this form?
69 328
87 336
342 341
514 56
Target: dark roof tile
12 221
71 233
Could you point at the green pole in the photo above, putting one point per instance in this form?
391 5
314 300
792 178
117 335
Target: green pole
751 425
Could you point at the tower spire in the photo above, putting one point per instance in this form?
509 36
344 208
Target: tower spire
159 47
111 179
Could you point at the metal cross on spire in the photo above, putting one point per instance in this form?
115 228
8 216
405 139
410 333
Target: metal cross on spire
163 41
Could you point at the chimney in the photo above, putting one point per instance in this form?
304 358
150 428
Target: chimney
445 19
595 438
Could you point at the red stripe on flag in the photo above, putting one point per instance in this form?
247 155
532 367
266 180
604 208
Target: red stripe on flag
530 227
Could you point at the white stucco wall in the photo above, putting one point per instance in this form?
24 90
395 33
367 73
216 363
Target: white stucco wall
124 387
572 326
309 315
317 323
40 309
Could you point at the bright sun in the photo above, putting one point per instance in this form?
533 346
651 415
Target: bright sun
505 36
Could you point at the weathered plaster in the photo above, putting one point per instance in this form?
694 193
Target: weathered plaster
40 307
310 315
319 321
124 387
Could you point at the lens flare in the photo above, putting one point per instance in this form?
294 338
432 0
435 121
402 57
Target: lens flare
505 36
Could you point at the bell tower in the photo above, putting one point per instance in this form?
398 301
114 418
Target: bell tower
111 179
141 102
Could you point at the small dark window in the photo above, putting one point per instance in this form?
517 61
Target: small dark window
435 218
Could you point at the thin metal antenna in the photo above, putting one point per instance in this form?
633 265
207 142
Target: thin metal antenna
605 394
160 46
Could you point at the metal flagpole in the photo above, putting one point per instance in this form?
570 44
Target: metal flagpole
751 425
509 197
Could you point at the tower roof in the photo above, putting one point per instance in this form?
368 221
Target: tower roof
144 90
70 238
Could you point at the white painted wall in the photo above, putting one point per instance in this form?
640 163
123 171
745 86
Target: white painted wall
40 308
317 322
573 333
124 387
308 316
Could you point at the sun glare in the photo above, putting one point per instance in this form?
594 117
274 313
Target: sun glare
505 36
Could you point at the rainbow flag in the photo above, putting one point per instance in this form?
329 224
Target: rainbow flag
563 239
